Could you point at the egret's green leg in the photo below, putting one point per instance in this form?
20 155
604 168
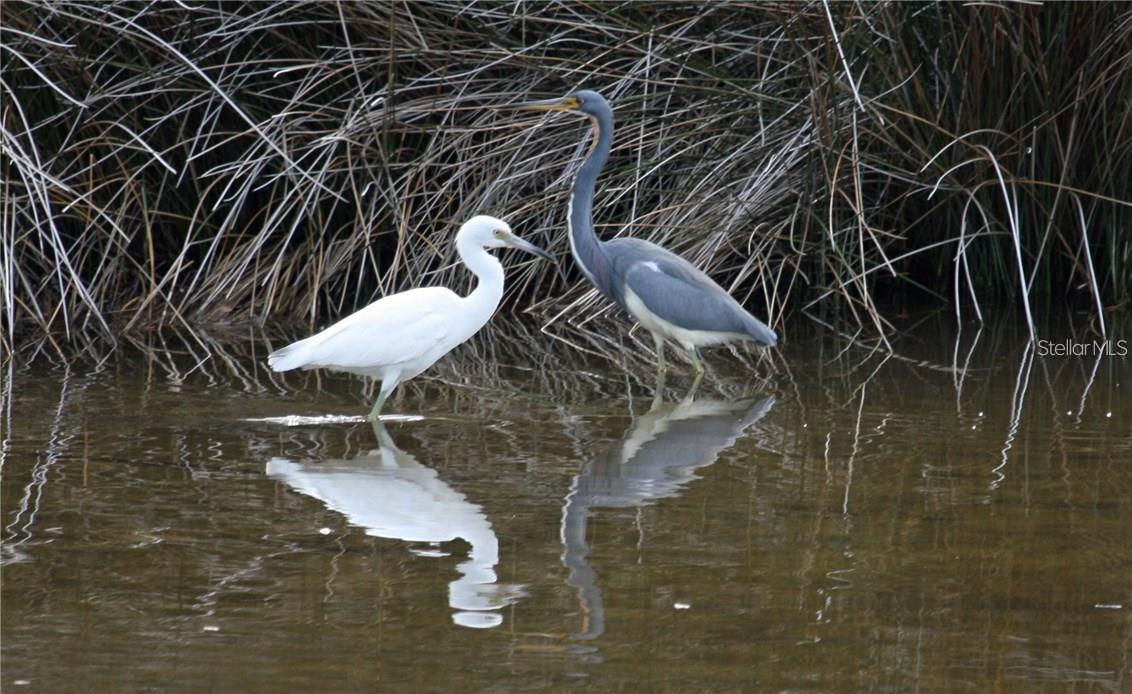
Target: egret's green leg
375 413
378 429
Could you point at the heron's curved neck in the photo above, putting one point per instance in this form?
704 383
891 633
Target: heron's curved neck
584 243
489 290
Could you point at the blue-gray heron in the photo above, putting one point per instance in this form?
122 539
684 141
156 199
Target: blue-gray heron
399 336
665 293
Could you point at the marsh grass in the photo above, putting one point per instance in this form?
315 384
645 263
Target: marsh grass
191 164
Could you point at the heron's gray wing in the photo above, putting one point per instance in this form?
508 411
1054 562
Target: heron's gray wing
684 296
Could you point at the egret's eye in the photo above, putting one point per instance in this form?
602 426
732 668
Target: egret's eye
499 233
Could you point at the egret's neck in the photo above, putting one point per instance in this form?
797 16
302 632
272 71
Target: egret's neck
489 290
584 243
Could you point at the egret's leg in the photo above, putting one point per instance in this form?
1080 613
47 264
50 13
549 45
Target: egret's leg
375 413
659 342
378 429
387 386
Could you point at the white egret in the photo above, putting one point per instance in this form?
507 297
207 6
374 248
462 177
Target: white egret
399 336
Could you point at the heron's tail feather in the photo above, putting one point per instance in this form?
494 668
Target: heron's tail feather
760 333
292 356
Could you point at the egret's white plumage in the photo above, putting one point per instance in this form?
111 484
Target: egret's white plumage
397 337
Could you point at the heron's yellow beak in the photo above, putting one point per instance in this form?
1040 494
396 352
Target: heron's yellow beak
564 103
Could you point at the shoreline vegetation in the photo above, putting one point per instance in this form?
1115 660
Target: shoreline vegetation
191 164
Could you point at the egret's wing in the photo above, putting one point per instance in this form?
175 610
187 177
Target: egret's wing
392 330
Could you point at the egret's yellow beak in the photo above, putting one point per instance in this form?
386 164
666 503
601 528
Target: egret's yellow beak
562 103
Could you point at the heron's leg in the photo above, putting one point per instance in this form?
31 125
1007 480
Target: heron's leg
692 389
698 369
697 365
695 385
659 342
658 391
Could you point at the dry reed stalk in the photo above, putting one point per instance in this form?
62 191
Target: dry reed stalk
187 164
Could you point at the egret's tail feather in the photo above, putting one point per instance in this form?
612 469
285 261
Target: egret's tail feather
292 356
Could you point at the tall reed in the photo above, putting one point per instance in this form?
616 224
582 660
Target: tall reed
173 163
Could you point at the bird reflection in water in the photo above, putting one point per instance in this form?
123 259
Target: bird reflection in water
391 495
656 457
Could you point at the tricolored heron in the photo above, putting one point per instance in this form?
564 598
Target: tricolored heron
665 293
399 336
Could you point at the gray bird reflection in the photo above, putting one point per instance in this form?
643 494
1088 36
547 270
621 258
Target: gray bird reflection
656 457
391 495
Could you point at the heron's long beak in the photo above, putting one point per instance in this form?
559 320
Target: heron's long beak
562 103
523 245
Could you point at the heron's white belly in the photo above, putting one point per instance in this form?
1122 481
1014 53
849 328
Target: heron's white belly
688 338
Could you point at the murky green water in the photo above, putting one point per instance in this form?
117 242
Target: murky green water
834 520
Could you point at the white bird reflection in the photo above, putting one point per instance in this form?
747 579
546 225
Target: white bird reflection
657 456
391 495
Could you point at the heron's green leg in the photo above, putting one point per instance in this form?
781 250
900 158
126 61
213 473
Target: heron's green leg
695 385
658 391
698 369
697 365
692 389
659 342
